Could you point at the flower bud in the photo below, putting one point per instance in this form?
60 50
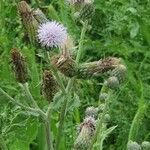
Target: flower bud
97 68
91 111
112 82
101 107
65 64
39 16
119 72
103 97
49 85
145 145
133 146
107 118
87 130
29 22
19 66
87 11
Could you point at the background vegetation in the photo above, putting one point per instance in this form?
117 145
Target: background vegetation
119 28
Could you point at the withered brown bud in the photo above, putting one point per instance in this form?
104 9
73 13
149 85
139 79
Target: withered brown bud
49 85
97 68
19 66
65 64
29 22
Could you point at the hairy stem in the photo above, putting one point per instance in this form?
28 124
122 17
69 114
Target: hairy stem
21 105
2 144
68 88
31 100
137 121
80 51
48 135
99 129
63 113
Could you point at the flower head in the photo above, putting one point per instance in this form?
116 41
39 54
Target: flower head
52 34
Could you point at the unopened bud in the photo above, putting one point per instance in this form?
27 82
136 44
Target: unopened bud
87 12
133 146
49 85
119 72
97 68
65 64
145 145
87 130
112 82
19 66
103 97
39 16
101 107
91 111
107 118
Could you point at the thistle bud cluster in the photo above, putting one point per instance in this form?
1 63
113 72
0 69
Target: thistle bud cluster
66 65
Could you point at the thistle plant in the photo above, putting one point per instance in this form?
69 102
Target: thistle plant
62 70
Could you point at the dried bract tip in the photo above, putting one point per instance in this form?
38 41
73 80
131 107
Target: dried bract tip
112 83
19 66
145 145
87 130
133 146
91 111
65 64
49 85
29 22
39 16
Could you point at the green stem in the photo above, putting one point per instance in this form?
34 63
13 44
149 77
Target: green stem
63 113
21 105
25 87
137 121
2 144
99 129
80 51
58 78
48 135
68 88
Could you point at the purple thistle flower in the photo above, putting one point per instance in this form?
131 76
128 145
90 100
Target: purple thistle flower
52 34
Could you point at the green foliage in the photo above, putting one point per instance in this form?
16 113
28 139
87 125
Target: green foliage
118 28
